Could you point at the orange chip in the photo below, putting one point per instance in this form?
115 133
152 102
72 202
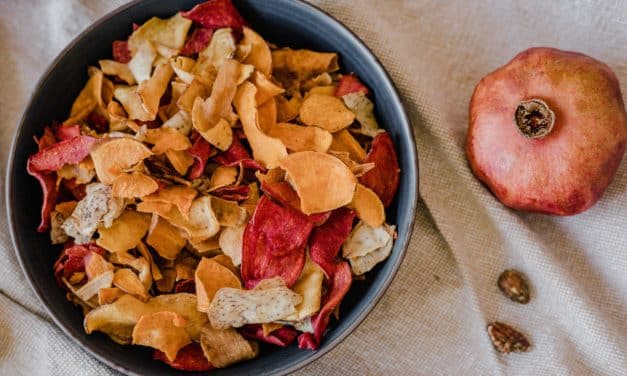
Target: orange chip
129 282
164 238
368 206
327 112
177 195
259 54
204 247
299 138
134 184
196 89
228 213
182 67
343 141
118 120
322 80
88 99
127 96
220 134
291 67
117 69
151 90
96 265
113 157
325 184
266 89
223 176
145 253
210 277
164 331
166 138
109 295
125 232
357 168
322 90
266 116
154 207
288 110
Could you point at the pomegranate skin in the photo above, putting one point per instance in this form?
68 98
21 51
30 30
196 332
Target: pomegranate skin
567 171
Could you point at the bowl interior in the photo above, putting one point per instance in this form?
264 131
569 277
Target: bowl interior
284 22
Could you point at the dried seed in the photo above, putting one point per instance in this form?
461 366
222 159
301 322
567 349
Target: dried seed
507 339
514 285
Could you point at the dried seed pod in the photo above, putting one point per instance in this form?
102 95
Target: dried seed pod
507 339
514 285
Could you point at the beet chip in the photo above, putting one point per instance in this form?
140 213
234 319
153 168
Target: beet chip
185 285
237 154
233 193
197 42
326 240
121 53
274 243
189 358
46 139
200 150
384 177
216 14
72 260
67 132
48 182
349 83
282 337
284 193
54 157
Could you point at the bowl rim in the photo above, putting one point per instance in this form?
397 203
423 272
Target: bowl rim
373 61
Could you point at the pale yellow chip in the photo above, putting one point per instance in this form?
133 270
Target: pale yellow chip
109 295
211 276
228 213
204 247
202 222
223 347
182 67
181 122
141 63
220 135
196 89
309 286
165 139
343 141
327 112
134 184
220 49
113 157
322 90
266 116
127 281
358 169
125 232
287 110
223 176
266 89
181 160
88 99
118 119
176 195
325 184
164 331
259 55
302 138
150 91
127 96
164 238
170 33
368 206
117 69
267 151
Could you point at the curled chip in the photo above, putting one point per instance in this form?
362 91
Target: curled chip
182 67
309 286
181 160
383 179
120 70
287 110
223 176
349 83
113 157
151 90
326 112
128 98
215 14
165 139
125 233
48 183
55 156
233 192
271 300
197 42
134 184
196 89
344 142
141 63
200 151
164 238
89 99
228 213
127 281
368 246
188 358
223 347
236 155
202 222
211 276
60 213
180 122
274 243
164 331
299 138
259 55
291 67
179 196
283 336
325 184
357 168
266 116
96 265
368 206
230 242
66 132
220 135
326 240
363 109
266 150
170 33
221 48
266 89
91 288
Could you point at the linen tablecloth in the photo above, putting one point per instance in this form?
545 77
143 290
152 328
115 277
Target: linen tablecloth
432 319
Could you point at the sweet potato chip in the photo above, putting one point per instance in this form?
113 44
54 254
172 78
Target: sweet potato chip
220 135
230 242
291 67
299 138
164 331
89 99
134 184
309 286
96 265
349 83
343 141
325 184
150 91
266 116
165 139
358 169
223 347
189 358
204 247
164 238
367 246
55 156
282 336
125 233
214 14
363 109
383 179
196 89
368 206
118 118
181 160
267 150
117 69
211 276
181 122
326 240
266 89
141 63
321 90
202 222
113 157
287 110
129 282
326 111
323 80
109 295
127 96
228 213
179 196
259 55
223 176
170 33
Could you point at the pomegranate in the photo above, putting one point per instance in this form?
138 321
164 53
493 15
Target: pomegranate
547 131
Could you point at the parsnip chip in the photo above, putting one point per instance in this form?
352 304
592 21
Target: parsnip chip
358 169
118 120
266 89
88 99
125 233
266 150
196 89
91 288
109 295
177 195
119 318
220 49
288 110
228 213
223 176
164 331
299 138
181 160
181 121
117 69
129 282
363 109
259 54
322 90
204 247
266 116
343 141
220 134
309 286
127 96
367 246
292 67
270 301
141 63
223 347
113 157
325 184
134 184
164 238
150 91
211 276
165 139
96 265
327 112
169 33
145 253
182 67
202 222
154 207
368 206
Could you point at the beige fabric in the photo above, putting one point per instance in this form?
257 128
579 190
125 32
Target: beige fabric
432 319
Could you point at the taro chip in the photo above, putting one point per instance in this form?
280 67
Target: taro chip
309 286
165 139
188 358
164 238
164 331
299 138
326 240
228 213
225 347
259 56
170 33
151 90
211 276
181 160
266 89
215 14
141 63
128 98
223 176
325 184
179 196
383 179
266 150
127 281
121 52
113 157
327 112
125 233
274 243
230 242
349 83
53 157
134 184
287 110
198 41
283 336
117 69
343 141
368 206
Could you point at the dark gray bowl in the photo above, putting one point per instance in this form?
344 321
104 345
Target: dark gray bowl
284 22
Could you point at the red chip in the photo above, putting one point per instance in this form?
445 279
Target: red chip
282 337
48 182
237 154
349 83
384 177
233 193
66 132
185 285
55 156
326 240
121 53
284 193
197 42
274 243
200 150
215 14
189 358
73 258
46 139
